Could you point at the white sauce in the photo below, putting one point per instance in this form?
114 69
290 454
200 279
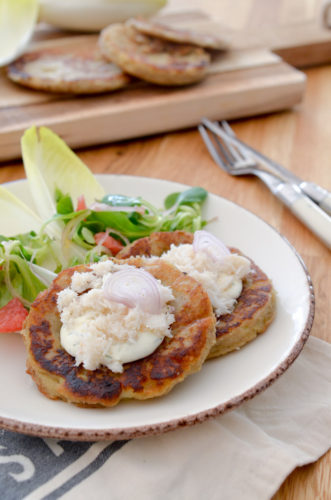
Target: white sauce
97 331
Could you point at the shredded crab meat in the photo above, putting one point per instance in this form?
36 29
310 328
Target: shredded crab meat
98 331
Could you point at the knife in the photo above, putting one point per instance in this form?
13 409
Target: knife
318 194
300 205
316 219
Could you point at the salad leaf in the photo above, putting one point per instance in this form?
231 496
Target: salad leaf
16 277
119 221
28 261
128 225
43 274
50 165
64 205
62 236
18 251
17 22
192 195
52 168
12 208
184 210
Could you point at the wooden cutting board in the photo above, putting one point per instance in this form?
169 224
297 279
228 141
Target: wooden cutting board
292 29
244 82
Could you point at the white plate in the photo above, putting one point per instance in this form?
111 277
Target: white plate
221 384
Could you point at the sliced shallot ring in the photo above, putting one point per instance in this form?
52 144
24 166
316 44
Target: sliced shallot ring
111 230
134 288
208 243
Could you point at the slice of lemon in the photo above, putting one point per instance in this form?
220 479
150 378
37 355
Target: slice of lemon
17 22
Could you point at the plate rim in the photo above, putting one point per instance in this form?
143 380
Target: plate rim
81 434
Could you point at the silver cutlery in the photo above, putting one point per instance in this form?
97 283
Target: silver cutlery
237 160
318 194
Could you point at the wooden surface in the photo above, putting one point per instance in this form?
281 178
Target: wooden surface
292 28
301 141
250 81
247 82
243 82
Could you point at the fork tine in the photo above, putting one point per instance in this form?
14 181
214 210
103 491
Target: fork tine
237 153
217 144
228 130
218 148
223 148
234 151
240 154
233 154
221 133
211 148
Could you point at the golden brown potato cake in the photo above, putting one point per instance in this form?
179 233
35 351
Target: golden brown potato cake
153 59
160 30
255 307
53 71
54 370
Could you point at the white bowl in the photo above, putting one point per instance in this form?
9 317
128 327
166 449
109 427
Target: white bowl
94 15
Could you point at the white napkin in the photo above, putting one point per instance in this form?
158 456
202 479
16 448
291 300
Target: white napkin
246 453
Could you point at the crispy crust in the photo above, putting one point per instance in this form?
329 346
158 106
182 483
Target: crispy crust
155 244
255 308
160 30
54 71
54 370
253 313
153 59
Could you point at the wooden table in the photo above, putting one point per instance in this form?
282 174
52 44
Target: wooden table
300 140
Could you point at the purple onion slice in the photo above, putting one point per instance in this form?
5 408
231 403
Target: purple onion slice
208 243
134 287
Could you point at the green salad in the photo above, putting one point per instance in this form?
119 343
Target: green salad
76 221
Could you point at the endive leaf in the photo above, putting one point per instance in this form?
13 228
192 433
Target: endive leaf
51 165
13 209
44 275
17 22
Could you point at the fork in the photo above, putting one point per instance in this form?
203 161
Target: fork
235 160
318 194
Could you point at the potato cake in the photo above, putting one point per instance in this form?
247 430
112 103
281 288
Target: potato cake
255 307
152 59
160 30
70 73
55 371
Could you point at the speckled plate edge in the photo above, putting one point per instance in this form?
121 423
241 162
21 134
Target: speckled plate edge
199 417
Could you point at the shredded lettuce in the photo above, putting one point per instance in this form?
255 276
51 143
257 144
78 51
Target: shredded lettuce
16 276
139 218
